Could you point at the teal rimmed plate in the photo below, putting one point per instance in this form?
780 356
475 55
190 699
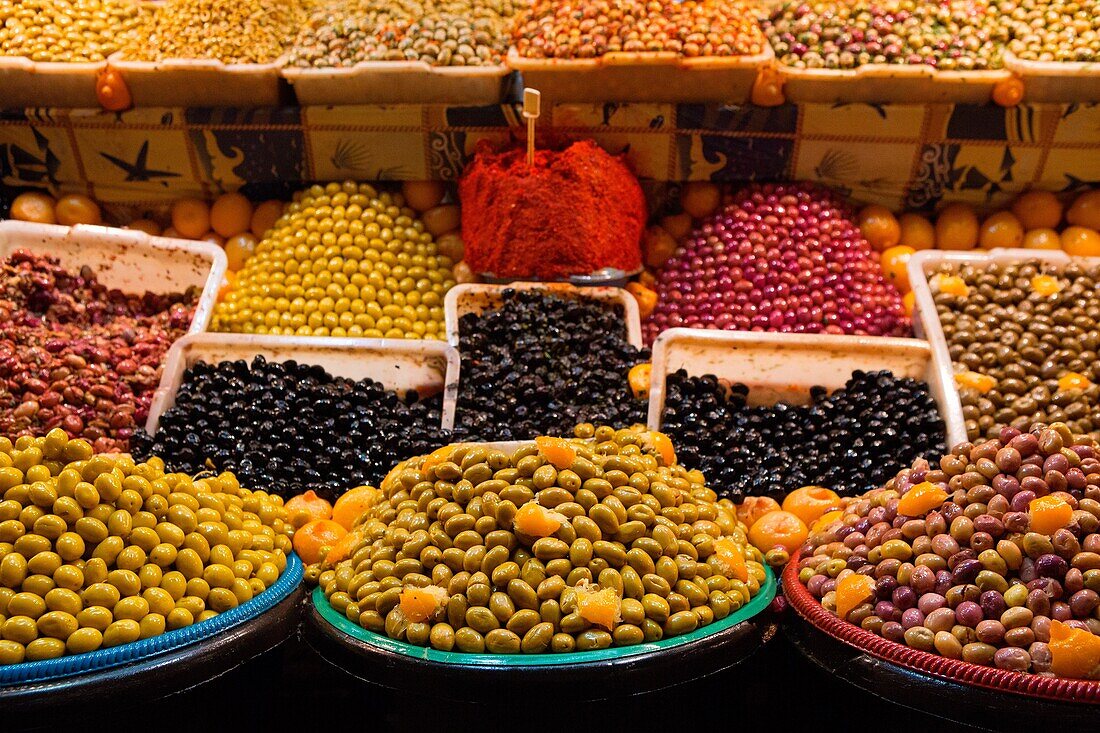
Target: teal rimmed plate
396 664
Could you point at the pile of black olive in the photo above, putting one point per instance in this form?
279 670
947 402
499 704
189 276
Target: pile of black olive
851 440
291 427
542 363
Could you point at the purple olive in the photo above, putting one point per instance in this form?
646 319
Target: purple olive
1022 500
923 579
993 604
967 570
929 602
1084 602
904 597
912 617
893 631
887 611
1051 566
969 614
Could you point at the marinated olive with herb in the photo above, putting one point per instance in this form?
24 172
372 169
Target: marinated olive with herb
1005 525
572 581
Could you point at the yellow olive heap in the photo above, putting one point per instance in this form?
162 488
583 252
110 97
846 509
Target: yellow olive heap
342 260
97 551
559 545
66 30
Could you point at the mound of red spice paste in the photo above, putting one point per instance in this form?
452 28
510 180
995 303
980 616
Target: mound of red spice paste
575 211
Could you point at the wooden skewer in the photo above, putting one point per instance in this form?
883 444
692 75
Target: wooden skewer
531 104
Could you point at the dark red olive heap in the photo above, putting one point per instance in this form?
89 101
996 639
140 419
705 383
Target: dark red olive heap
76 355
785 257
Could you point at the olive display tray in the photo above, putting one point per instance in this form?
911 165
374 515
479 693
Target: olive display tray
947 688
885 83
783 366
164 664
398 82
479 297
643 77
595 674
396 364
27 83
127 260
199 82
926 320
1057 81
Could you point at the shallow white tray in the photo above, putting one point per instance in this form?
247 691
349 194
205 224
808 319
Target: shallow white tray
782 367
397 364
926 320
127 260
478 298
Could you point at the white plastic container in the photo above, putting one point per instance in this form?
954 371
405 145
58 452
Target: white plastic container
397 364
127 260
397 82
26 83
478 298
782 367
199 82
643 77
1057 81
883 83
926 320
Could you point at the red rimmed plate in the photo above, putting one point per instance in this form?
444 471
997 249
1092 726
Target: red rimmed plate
948 688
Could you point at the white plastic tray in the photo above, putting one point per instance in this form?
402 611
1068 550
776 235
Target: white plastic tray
397 82
781 367
27 83
128 260
926 320
397 364
643 76
199 82
479 297
1057 81
888 83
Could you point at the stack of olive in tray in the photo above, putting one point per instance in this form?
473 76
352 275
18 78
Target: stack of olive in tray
1024 339
556 546
850 440
291 427
541 363
98 551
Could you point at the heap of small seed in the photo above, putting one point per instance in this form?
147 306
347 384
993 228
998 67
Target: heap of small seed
1053 30
438 32
231 31
958 35
549 29
1024 340
65 30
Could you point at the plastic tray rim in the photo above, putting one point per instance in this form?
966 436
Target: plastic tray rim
755 606
101 659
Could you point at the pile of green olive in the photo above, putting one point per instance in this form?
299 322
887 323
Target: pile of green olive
98 551
556 546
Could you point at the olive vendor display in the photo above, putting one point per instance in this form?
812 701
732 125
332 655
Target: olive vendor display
99 551
541 364
291 427
78 355
343 260
992 557
850 440
1024 343
560 546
